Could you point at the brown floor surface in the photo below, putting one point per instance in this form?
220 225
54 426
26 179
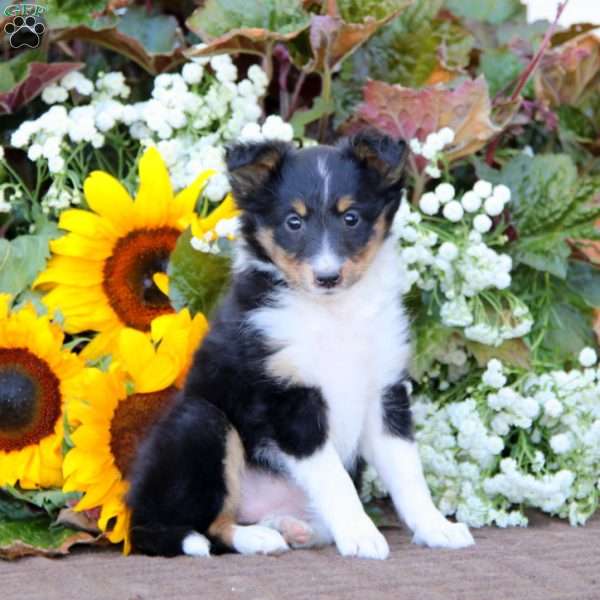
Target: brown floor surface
547 561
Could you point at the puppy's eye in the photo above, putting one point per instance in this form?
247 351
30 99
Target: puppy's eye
293 222
351 218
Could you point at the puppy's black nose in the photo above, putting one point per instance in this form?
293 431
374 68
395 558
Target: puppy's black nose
327 280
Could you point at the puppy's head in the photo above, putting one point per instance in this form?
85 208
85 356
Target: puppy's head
318 214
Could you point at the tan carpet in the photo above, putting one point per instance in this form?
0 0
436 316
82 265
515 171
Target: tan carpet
548 561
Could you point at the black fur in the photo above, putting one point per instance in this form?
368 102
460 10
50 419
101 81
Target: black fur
268 176
178 484
396 410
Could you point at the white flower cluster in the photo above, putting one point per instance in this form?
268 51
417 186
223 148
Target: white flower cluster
58 197
457 262
431 149
214 242
554 464
189 116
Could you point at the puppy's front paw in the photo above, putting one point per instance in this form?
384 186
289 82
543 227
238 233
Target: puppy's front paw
441 533
363 540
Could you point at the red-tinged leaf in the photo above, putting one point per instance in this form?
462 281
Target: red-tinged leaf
250 41
114 40
37 77
155 42
568 71
332 39
251 27
407 113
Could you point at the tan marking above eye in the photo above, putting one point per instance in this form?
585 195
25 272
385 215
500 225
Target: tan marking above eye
300 207
344 203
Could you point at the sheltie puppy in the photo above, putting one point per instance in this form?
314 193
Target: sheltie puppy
302 374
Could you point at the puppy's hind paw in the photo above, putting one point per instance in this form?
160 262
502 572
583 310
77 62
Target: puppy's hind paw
441 533
256 539
364 541
195 544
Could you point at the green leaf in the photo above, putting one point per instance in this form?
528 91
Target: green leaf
575 122
51 501
37 536
218 17
569 331
70 13
430 338
22 259
501 67
584 280
196 279
548 253
158 34
489 11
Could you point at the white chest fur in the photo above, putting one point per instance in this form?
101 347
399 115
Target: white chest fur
350 345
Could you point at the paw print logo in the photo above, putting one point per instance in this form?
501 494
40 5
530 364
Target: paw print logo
24 31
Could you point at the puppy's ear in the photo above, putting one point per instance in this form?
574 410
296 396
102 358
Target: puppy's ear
380 154
252 165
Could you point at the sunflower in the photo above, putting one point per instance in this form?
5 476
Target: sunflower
35 374
107 273
109 422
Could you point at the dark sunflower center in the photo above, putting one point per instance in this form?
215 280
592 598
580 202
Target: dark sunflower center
30 399
133 418
17 399
129 275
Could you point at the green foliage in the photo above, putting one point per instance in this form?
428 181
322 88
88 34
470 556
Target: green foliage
399 54
158 34
575 123
71 13
430 338
583 278
50 501
502 67
217 17
196 279
14 70
550 204
22 258
355 11
489 11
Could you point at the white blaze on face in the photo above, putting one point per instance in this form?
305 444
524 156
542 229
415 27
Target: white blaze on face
325 174
326 261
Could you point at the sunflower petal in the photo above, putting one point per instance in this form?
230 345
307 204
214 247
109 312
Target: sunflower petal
155 192
136 353
107 197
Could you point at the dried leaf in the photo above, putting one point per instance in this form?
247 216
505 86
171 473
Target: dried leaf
36 537
568 71
332 39
512 352
406 113
38 76
77 520
238 26
153 42
249 41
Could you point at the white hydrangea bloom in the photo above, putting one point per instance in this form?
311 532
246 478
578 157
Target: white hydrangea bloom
483 188
482 223
588 357
429 203
453 211
445 192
